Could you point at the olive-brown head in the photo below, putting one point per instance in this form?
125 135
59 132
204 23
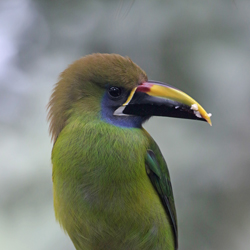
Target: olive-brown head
117 91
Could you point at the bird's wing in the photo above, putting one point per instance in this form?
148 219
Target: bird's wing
158 173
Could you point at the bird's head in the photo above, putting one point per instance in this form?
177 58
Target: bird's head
113 88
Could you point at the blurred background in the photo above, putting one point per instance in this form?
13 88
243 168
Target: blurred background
201 47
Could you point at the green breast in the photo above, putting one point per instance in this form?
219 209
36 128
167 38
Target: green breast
103 197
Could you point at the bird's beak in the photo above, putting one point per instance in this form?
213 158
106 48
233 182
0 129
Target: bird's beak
159 99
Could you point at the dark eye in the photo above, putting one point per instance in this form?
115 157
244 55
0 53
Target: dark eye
115 91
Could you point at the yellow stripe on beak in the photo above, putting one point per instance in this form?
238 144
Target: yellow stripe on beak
179 96
166 92
130 97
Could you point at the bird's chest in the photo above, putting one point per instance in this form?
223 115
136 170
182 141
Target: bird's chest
118 194
103 188
114 174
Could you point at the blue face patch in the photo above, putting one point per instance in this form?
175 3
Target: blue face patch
109 106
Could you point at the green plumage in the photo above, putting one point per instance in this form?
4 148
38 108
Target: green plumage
111 184
103 196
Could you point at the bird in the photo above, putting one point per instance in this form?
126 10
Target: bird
111 184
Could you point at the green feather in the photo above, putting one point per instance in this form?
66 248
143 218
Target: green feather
103 196
160 179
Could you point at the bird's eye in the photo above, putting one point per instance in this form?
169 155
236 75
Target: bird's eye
115 91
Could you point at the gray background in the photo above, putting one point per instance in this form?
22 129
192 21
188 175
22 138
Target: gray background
201 47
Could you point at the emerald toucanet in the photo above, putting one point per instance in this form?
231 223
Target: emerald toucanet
111 184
